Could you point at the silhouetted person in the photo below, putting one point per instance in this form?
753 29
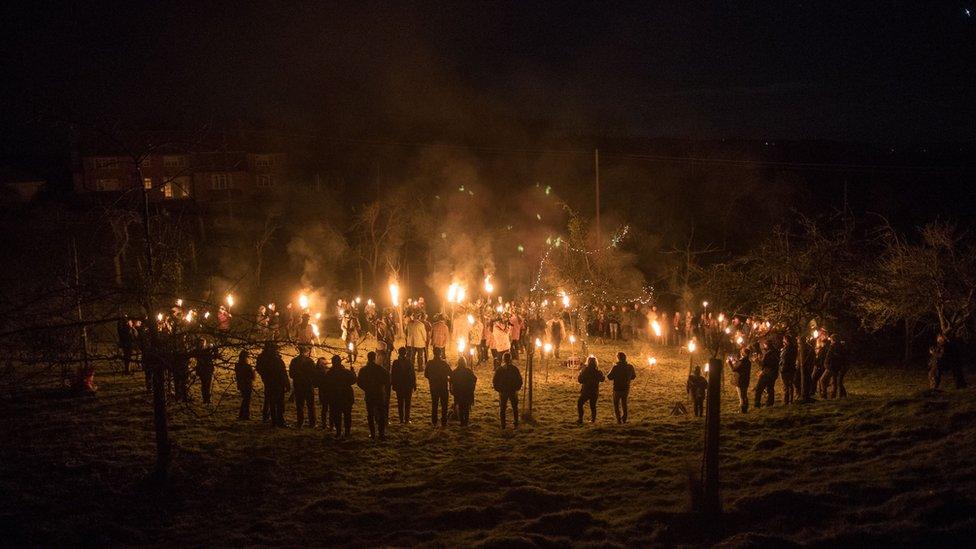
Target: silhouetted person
127 337
805 367
403 379
697 388
276 383
374 380
621 375
321 367
945 356
742 369
338 383
787 368
264 365
463 382
507 381
767 377
302 372
837 366
205 355
244 375
589 378
438 374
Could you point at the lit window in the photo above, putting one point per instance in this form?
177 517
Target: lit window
177 187
265 181
220 181
147 183
107 185
106 162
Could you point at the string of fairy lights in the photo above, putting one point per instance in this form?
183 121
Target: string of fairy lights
647 292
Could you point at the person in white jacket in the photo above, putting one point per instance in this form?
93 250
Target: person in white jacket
501 343
416 336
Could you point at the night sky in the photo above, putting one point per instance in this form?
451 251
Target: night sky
881 72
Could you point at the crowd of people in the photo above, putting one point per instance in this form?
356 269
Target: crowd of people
484 332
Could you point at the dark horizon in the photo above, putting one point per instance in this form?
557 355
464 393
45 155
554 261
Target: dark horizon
501 73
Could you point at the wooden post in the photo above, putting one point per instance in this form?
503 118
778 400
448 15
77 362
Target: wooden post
530 371
712 501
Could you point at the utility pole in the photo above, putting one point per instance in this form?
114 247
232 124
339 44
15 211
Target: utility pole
596 171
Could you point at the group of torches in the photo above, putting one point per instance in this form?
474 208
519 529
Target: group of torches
456 294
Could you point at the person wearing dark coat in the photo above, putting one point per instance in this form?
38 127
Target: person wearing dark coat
127 337
244 375
697 388
507 382
205 356
403 379
742 370
946 356
374 380
767 376
621 375
806 359
590 378
837 367
787 368
463 382
302 372
271 368
338 383
264 365
438 374
321 367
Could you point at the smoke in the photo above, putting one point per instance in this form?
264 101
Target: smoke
318 251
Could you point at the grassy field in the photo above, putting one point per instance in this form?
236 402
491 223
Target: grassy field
890 464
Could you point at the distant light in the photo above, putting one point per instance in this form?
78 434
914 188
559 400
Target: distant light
549 187
538 216
651 361
521 248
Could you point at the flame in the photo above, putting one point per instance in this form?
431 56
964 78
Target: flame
816 334
351 346
461 344
303 300
651 361
179 302
189 316
460 294
656 326
318 316
692 346
452 292
739 340
489 287
572 339
315 329
721 317
230 300
471 320
471 351
565 299
705 304
538 342
395 294
206 314
547 347
159 317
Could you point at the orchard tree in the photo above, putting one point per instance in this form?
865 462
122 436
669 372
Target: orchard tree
929 280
